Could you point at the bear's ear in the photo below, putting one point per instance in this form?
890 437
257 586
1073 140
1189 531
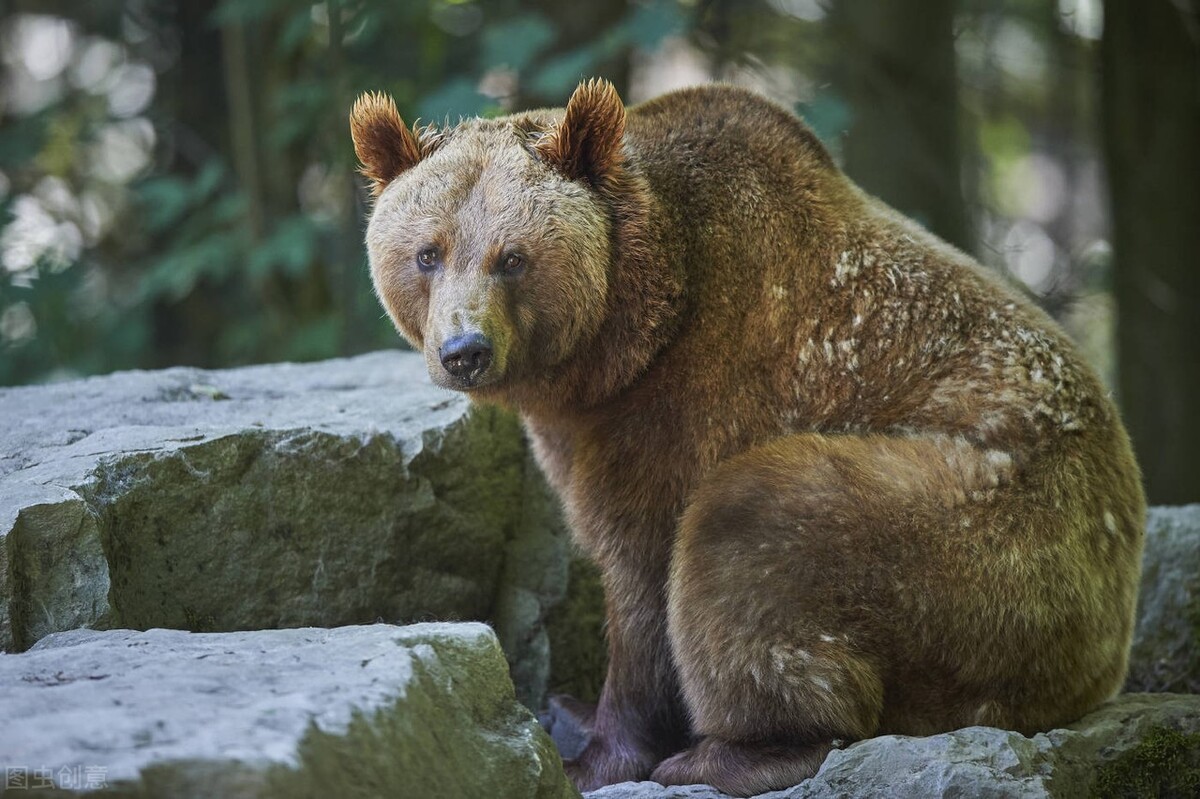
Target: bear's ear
587 142
382 142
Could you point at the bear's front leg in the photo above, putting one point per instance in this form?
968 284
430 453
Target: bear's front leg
639 719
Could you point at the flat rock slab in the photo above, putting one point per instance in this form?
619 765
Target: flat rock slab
426 710
286 495
1137 745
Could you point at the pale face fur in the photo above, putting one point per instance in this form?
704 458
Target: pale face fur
480 197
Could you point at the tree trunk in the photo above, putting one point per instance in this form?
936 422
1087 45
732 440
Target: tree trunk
1150 57
191 105
898 75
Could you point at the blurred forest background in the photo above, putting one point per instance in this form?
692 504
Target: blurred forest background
177 182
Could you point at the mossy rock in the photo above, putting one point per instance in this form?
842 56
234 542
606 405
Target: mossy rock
369 711
1165 764
325 494
578 653
1166 639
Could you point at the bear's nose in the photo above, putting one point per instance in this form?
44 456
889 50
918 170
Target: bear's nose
466 356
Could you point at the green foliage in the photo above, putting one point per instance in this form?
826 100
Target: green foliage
167 198
534 33
458 95
218 220
238 238
244 11
649 23
22 140
644 26
289 249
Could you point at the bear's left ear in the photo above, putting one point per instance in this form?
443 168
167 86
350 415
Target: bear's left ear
383 143
587 142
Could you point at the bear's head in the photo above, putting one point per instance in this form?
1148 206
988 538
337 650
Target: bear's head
490 243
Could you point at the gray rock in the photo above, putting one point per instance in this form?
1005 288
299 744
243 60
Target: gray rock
274 496
1136 745
652 790
975 762
1102 752
370 711
1166 641
569 733
352 490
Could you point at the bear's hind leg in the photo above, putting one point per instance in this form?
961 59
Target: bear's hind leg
763 732
785 590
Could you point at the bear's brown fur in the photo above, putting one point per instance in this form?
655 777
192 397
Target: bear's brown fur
840 481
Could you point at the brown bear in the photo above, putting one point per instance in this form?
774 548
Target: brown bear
840 480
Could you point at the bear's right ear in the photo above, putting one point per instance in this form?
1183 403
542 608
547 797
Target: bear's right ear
382 142
587 142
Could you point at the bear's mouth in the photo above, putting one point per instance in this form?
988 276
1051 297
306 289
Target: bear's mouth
466 385
468 381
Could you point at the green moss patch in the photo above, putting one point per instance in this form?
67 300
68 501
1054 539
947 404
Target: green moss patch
1165 764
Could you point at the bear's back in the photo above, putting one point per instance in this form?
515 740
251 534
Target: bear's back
860 316
719 120
710 148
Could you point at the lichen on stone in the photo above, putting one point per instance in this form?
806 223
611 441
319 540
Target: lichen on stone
1166 763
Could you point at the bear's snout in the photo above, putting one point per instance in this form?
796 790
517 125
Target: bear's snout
466 356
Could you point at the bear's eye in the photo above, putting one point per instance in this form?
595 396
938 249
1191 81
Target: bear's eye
427 259
512 263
